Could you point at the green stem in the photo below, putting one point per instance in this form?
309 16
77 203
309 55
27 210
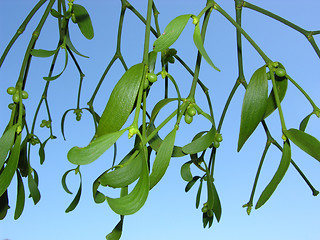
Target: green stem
147 33
234 23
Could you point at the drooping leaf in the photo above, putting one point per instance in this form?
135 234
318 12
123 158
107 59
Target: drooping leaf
162 159
132 202
305 142
254 105
33 188
4 205
171 33
88 154
304 122
72 47
6 142
83 20
20 197
199 194
42 154
64 68
198 41
125 173
11 166
117 231
156 141
43 53
217 204
278 176
121 101
156 109
64 182
76 199
152 60
191 183
23 164
201 143
207 220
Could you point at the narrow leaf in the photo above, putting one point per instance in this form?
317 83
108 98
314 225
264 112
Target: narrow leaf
88 154
132 202
171 33
198 41
117 231
304 122
4 205
162 159
191 183
254 105
83 20
43 53
152 58
64 182
6 142
281 171
217 204
11 166
305 142
33 188
64 68
121 101
20 197
186 172
199 194
72 48
201 143
76 199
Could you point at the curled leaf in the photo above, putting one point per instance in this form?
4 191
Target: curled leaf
186 172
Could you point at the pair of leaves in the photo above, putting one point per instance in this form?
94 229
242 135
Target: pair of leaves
121 101
172 32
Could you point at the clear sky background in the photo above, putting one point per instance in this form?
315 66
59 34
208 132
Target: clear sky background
169 213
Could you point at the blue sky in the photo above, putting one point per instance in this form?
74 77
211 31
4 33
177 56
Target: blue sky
169 213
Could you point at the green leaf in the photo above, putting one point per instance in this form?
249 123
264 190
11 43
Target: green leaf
117 231
304 122
156 141
305 142
162 159
62 122
254 105
281 171
76 199
64 68
42 154
282 84
216 204
4 205
20 197
55 13
33 188
171 33
11 166
125 173
64 182
88 154
72 48
132 202
121 101
23 164
156 109
201 143
83 20
6 142
186 172
199 194
152 58
191 183
43 53
198 41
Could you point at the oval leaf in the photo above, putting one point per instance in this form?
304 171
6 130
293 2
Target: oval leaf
304 141
162 159
121 101
171 33
198 41
83 20
88 154
254 105
201 143
282 169
132 202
